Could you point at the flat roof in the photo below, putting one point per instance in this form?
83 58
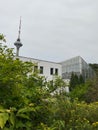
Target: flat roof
37 59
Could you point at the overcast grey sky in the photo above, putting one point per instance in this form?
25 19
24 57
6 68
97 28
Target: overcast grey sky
53 30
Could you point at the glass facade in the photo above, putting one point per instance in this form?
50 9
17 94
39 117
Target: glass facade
78 66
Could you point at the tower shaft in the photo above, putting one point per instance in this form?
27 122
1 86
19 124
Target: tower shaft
17 52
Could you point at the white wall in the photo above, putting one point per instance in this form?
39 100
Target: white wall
46 66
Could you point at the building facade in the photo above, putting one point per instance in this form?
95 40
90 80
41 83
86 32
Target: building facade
78 66
63 69
46 68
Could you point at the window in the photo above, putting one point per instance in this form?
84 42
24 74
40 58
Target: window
51 71
56 71
41 69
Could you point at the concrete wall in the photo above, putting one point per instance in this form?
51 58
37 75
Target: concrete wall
47 65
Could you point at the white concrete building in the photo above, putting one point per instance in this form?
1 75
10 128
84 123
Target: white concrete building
46 68
63 69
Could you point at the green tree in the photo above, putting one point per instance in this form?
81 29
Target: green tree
81 79
73 81
22 92
80 91
94 67
13 75
2 38
58 82
92 94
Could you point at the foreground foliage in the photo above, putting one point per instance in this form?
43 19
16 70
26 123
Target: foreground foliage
62 115
26 103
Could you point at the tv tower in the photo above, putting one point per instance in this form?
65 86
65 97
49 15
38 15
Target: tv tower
18 43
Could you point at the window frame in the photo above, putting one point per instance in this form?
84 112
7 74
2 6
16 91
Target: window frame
51 71
41 69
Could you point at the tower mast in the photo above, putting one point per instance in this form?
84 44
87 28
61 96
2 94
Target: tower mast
18 43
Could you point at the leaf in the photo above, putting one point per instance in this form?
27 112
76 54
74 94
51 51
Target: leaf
3 119
2 110
6 128
12 118
23 116
20 124
10 128
26 109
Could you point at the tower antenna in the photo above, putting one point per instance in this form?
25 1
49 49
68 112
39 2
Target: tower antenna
19 29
